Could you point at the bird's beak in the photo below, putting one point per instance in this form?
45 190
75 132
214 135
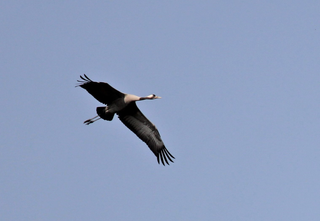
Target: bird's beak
157 97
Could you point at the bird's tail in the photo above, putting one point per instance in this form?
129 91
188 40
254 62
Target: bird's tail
101 111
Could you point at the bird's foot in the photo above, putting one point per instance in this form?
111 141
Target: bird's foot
87 122
91 120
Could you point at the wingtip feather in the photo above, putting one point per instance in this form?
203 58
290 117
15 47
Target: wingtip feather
168 155
162 161
163 156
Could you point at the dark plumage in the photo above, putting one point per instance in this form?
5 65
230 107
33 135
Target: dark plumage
124 105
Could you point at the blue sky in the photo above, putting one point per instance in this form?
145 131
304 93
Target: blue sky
239 82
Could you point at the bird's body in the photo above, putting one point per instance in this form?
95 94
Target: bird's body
124 105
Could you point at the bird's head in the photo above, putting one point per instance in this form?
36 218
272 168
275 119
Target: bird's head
153 96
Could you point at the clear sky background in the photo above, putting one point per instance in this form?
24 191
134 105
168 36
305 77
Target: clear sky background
240 110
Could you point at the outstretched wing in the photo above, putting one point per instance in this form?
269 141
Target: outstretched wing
132 117
101 91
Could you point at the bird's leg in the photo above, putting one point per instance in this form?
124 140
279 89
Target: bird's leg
91 120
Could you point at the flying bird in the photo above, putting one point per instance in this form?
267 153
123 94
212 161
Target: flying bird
124 105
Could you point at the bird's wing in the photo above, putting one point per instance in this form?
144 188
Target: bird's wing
101 91
132 117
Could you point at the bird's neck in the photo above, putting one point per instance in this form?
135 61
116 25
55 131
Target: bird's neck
130 98
145 98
